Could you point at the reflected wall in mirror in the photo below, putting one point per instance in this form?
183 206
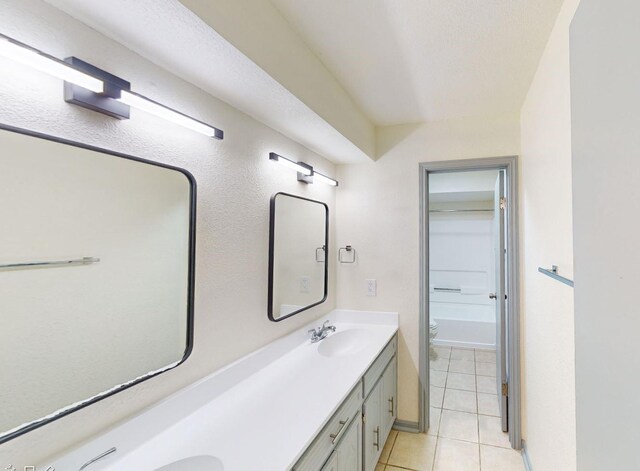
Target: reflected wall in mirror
77 331
299 242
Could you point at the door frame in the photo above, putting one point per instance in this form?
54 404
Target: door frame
510 166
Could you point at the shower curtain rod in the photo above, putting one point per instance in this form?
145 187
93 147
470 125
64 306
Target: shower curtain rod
459 210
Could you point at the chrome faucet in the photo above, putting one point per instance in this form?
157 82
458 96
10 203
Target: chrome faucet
321 332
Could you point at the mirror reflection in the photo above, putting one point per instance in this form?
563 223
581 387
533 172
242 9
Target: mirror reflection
95 276
298 261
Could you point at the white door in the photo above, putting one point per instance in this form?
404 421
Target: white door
499 297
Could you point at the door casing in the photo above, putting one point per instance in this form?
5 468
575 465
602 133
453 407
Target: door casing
510 166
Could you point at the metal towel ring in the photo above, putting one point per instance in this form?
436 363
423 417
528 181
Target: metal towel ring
345 250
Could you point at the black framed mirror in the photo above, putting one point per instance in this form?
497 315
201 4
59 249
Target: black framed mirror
97 256
298 248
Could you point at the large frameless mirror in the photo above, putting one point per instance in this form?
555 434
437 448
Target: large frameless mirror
299 242
96 275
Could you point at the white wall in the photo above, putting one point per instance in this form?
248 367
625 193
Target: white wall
548 382
378 214
605 98
235 181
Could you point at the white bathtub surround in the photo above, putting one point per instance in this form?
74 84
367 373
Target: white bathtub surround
461 257
260 412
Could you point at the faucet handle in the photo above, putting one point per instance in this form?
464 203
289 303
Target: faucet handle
332 328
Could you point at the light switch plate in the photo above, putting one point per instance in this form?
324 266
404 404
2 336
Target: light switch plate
372 287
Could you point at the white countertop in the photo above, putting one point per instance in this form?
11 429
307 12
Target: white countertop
259 413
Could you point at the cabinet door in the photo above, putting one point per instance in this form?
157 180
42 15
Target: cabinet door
332 463
389 404
372 428
349 449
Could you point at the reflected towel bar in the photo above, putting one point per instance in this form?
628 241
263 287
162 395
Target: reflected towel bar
450 290
58 263
553 273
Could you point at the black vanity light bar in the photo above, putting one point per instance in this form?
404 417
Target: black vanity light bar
306 173
96 89
299 166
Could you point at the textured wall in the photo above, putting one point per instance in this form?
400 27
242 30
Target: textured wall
378 210
546 231
235 181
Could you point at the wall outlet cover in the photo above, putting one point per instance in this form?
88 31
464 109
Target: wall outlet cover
372 287
305 284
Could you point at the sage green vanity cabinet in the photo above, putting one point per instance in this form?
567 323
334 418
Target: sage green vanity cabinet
332 463
347 456
349 450
354 436
379 411
389 397
372 427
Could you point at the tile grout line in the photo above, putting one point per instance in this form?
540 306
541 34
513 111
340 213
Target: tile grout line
433 464
478 418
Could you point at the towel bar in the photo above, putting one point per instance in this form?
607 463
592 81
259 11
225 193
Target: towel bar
57 263
553 273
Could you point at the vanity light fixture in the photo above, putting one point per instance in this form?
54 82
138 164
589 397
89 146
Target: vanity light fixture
306 173
140 102
97 90
324 179
26 55
301 167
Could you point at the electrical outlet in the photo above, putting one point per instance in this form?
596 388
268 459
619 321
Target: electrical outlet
305 284
372 287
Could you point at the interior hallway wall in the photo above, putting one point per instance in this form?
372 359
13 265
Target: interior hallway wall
605 106
378 214
235 181
548 381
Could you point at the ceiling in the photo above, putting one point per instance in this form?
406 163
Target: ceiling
175 38
328 73
421 60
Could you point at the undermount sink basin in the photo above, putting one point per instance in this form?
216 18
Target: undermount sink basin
344 343
195 463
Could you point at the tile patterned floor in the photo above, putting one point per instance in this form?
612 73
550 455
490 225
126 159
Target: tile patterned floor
465 433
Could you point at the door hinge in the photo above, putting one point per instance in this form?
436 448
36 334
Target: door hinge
363 418
505 389
503 203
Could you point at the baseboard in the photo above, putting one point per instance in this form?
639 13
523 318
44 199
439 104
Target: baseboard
406 426
525 457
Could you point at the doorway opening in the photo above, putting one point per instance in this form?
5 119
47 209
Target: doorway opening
469 303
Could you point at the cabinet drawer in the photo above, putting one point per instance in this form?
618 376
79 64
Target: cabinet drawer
375 371
328 438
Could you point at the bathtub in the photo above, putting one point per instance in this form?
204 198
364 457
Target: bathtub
464 320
